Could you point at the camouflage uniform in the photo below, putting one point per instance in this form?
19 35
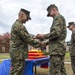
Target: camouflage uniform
57 47
72 51
19 41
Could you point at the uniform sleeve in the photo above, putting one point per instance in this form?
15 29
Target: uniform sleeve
57 29
73 35
47 36
27 38
46 41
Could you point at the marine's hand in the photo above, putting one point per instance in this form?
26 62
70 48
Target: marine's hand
43 44
40 36
34 37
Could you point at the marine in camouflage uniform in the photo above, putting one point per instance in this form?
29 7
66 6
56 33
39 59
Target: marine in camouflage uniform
71 27
19 41
56 41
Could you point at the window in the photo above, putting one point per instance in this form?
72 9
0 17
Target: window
3 49
3 41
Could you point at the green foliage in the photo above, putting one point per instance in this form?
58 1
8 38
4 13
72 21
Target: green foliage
46 53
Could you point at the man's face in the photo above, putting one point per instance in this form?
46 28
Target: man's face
52 13
24 18
71 27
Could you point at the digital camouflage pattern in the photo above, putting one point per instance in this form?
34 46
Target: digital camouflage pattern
19 41
57 36
57 65
72 51
57 44
72 47
73 63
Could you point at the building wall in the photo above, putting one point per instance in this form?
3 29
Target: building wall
4 46
4 43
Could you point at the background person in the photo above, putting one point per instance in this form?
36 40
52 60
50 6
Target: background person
71 26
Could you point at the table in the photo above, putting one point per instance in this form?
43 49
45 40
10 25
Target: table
28 68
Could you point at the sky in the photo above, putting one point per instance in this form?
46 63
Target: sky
40 23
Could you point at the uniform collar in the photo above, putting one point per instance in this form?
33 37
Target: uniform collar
57 15
19 21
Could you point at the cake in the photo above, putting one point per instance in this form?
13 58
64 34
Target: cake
35 53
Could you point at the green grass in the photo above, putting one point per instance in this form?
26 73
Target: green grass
67 57
4 55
